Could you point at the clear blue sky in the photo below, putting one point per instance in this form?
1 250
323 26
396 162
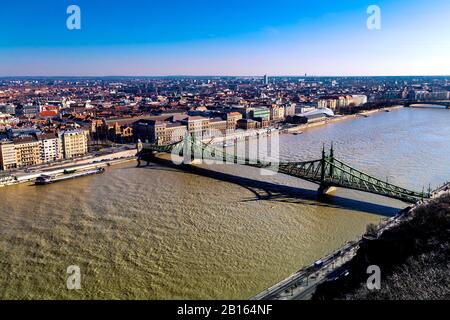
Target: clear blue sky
225 37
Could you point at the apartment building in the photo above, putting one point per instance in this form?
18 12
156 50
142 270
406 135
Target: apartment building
335 102
197 126
31 150
28 151
7 155
260 112
277 113
217 125
331 103
173 132
74 143
289 109
51 148
159 132
232 119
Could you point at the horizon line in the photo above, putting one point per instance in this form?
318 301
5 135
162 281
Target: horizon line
221 76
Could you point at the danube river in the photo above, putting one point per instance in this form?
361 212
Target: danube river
159 233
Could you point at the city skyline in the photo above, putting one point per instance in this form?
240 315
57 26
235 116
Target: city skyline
291 38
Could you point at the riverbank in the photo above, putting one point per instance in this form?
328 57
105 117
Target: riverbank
306 126
87 163
413 257
415 240
304 284
397 241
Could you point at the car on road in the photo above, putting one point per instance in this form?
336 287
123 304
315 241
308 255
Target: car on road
318 264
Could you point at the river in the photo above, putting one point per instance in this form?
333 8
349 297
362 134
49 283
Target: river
159 233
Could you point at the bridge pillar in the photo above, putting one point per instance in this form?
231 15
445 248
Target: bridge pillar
326 190
145 156
191 155
192 161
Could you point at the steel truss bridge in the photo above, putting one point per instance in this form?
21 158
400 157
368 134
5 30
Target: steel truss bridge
328 172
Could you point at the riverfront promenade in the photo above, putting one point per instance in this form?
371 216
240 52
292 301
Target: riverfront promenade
302 127
85 163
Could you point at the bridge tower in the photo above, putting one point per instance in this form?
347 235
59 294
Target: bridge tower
323 165
325 188
190 154
331 160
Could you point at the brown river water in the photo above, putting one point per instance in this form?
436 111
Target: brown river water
222 232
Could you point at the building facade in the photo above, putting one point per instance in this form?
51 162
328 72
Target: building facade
218 125
337 102
197 126
51 147
159 132
75 143
7 155
232 119
290 109
28 151
277 113
261 112
31 150
171 133
248 124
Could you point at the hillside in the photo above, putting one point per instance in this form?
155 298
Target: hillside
413 257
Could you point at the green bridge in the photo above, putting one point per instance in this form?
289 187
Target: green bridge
328 172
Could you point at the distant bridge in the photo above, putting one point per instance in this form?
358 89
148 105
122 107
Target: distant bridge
328 172
443 103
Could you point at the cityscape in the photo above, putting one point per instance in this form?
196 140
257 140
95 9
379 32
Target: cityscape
46 121
281 182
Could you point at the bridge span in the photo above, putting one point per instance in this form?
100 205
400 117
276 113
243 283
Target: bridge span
443 103
328 171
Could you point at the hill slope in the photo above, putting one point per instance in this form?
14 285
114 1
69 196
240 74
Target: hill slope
413 257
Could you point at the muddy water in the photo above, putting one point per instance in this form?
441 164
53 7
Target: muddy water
223 232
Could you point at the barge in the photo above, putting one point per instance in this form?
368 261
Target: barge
68 175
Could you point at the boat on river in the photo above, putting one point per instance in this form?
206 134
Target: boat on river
68 175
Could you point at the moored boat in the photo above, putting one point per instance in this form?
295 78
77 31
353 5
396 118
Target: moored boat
49 179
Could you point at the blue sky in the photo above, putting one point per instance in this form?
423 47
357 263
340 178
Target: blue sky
218 37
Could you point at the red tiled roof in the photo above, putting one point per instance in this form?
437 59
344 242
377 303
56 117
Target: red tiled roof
48 114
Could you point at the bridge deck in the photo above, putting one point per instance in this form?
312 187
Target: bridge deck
327 171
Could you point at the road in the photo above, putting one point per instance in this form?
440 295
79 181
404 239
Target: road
302 285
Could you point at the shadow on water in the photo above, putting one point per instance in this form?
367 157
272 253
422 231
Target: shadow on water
269 191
